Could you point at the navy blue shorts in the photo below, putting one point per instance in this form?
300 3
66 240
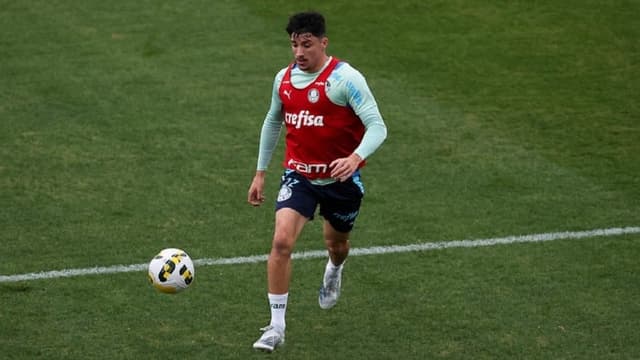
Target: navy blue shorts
339 202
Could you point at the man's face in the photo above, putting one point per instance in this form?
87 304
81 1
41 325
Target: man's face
309 51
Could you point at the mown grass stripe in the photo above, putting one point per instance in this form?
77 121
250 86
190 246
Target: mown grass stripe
375 250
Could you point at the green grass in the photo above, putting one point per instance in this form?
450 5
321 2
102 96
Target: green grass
127 127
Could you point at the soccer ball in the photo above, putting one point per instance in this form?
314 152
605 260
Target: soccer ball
171 271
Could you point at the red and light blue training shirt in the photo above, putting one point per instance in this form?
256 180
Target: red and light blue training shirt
328 114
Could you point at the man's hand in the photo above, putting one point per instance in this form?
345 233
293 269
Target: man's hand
342 169
256 195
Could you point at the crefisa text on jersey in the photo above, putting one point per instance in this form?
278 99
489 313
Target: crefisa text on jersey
303 118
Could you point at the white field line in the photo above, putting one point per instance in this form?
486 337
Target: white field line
101 270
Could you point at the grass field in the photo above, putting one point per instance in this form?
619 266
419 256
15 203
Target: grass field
128 127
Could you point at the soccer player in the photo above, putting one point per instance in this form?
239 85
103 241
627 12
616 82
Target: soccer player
332 125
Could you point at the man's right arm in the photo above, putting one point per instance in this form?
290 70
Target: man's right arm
269 135
271 126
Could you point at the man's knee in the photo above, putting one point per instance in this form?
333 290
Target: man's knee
282 245
337 244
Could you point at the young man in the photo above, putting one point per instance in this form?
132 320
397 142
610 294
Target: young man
332 125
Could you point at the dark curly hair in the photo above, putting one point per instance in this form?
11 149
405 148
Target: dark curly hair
306 22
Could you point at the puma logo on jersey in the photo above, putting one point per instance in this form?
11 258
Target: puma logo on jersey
287 93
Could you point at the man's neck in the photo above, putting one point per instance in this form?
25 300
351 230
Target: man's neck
324 65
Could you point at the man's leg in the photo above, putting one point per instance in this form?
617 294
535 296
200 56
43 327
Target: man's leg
289 224
337 244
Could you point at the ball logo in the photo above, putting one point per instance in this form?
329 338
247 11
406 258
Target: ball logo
186 274
313 95
170 266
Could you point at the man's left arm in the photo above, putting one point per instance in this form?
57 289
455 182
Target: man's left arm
362 101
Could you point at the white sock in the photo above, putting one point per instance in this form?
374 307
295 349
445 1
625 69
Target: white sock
278 305
331 269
